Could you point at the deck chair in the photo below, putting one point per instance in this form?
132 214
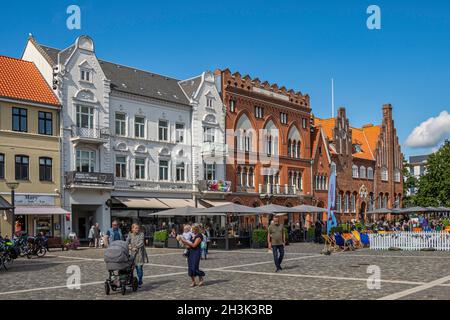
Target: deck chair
364 240
349 239
356 239
341 242
330 244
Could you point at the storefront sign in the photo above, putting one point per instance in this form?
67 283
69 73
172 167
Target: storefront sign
90 178
218 185
30 200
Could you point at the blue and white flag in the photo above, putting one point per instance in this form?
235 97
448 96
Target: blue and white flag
331 220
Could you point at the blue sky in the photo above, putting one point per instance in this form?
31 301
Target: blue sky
298 44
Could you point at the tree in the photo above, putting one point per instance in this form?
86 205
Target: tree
409 182
434 186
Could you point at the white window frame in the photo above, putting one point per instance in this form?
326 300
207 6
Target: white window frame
139 127
209 134
91 158
86 75
180 170
355 172
165 175
180 133
362 172
163 130
90 116
384 174
123 167
140 170
370 173
121 124
209 171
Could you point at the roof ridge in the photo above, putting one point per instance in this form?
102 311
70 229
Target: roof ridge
138 69
17 59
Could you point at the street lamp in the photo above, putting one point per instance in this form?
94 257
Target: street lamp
13 186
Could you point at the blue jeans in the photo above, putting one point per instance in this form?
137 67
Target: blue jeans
278 255
140 273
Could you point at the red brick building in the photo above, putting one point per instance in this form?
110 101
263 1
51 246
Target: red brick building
269 143
368 163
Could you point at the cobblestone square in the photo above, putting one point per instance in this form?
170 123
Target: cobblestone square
243 274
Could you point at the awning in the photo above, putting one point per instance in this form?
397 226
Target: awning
215 203
179 203
142 203
39 210
4 205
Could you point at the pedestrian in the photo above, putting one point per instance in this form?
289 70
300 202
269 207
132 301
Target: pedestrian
318 231
91 236
204 244
276 240
194 255
97 235
114 233
135 242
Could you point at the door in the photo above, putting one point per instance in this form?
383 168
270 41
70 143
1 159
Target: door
82 228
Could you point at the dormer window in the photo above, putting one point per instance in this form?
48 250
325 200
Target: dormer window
357 148
86 75
209 102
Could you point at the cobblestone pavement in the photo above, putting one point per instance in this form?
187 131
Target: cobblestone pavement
243 274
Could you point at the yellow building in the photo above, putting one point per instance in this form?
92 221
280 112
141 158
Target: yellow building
29 150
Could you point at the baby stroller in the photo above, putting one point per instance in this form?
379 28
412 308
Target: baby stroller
120 266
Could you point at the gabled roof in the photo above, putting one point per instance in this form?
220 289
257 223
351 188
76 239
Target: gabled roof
21 80
418 159
190 86
127 79
366 137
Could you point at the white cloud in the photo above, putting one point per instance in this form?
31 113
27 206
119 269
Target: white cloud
430 133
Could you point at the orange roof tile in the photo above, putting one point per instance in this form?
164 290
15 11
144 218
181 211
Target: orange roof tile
327 126
21 80
372 134
366 137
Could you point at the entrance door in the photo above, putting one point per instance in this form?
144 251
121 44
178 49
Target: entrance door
362 212
82 227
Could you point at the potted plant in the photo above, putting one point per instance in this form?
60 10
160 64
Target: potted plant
259 238
160 239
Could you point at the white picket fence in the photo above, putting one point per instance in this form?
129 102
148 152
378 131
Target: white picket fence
410 241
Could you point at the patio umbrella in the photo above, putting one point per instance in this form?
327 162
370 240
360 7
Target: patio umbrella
414 210
274 208
433 209
382 211
444 209
231 208
183 212
309 209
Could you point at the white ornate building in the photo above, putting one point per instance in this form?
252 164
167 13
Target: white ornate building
134 142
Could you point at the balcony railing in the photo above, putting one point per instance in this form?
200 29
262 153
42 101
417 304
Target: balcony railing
90 134
214 186
214 147
86 179
144 185
279 190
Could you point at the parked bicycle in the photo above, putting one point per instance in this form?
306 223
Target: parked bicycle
8 253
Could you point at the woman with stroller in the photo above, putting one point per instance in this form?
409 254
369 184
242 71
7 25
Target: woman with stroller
194 255
135 242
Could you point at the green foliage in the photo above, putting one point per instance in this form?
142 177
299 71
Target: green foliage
259 236
161 236
311 233
445 222
434 186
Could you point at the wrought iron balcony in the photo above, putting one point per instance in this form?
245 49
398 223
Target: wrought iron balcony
89 179
90 135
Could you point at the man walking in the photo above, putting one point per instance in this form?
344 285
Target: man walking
276 240
114 233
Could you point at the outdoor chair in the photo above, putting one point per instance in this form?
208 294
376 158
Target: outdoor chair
330 244
364 239
349 239
342 243
356 239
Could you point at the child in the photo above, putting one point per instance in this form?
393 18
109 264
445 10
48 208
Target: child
187 235
203 245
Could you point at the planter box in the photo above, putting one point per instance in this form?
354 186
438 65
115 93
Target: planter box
159 244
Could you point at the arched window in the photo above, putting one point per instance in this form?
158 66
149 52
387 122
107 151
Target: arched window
299 182
397 175
244 134
371 202
346 203
289 148
244 177
384 174
355 171
271 133
370 173
362 172
380 201
339 203
251 178
238 176
295 142
353 202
